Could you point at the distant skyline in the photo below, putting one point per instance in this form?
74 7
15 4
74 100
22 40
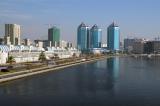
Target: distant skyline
136 18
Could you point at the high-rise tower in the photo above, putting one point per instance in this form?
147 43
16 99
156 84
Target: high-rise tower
96 36
83 37
12 34
54 35
113 37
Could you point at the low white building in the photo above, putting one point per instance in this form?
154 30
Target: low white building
97 50
63 44
20 53
3 57
61 52
23 53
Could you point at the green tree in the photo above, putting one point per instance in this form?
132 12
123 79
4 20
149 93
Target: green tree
42 56
56 56
11 60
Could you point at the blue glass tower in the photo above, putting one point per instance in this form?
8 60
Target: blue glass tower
83 37
96 37
113 37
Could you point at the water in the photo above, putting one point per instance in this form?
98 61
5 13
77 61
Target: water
112 82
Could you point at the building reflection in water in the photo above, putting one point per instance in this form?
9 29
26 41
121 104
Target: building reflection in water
113 67
97 78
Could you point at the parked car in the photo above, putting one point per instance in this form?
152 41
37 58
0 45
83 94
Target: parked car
6 68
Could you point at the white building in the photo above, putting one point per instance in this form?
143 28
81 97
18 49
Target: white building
61 52
63 44
39 43
23 53
27 42
97 50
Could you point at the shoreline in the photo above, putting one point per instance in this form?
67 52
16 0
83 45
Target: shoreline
18 75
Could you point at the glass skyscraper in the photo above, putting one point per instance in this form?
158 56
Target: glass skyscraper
83 37
54 35
96 37
113 37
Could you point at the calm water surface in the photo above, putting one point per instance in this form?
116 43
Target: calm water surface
112 82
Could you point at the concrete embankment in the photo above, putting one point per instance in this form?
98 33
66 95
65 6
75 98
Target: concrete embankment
22 74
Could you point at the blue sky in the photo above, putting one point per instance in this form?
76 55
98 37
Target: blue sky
136 18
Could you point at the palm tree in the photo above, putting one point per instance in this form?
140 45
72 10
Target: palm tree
11 60
42 56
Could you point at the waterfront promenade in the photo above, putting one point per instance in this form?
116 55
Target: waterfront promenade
30 72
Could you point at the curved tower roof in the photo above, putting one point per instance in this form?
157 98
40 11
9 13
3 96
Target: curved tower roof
95 26
82 25
113 24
